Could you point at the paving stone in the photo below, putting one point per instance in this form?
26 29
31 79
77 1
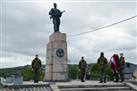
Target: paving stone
71 86
93 86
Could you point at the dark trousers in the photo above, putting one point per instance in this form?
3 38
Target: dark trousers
116 77
82 75
122 75
56 28
36 76
56 22
102 75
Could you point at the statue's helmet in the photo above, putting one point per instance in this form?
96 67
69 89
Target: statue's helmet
55 5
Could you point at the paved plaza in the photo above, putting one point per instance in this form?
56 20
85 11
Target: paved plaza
74 85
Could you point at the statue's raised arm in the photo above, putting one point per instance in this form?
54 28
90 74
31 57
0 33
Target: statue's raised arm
55 14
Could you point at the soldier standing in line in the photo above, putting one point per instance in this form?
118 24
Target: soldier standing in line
82 67
121 67
36 64
102 62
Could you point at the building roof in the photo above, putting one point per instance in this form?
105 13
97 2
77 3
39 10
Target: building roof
130 68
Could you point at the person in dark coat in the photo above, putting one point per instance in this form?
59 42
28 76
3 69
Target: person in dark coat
102 62
82 67
36 64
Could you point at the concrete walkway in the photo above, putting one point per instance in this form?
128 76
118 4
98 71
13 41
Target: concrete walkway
70 86
78 82
73 82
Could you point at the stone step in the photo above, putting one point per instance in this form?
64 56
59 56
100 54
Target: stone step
89 86
98 89
27 87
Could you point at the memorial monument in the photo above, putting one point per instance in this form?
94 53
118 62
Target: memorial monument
56 57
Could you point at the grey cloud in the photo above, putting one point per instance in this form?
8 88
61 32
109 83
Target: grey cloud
26 29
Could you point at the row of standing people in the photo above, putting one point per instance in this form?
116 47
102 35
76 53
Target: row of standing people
117 65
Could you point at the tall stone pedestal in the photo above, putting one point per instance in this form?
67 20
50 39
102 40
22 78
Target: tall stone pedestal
56 59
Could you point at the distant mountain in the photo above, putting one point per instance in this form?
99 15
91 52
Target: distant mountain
11 71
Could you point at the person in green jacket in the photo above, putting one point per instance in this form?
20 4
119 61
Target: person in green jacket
82 67
36 64
102 62
121 66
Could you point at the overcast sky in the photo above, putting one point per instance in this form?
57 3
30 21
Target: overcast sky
26 27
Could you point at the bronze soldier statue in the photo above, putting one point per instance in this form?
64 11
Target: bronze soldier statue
121 67
55 14
36 64
102 62
82 67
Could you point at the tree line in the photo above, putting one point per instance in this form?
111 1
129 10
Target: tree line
26 71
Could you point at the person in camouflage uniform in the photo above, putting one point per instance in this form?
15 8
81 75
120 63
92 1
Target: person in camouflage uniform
36 64
82 67
121 67
102 62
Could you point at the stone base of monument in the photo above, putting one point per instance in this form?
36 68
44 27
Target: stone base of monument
56 58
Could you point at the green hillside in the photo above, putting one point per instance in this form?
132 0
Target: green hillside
10 71
25 71
92 71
